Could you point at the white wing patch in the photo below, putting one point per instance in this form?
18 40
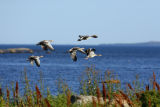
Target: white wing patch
37 61
50 46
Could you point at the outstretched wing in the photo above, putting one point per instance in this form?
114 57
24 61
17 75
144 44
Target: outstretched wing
81 50
73 56
49 46
37 61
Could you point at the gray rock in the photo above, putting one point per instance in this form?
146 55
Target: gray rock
81 99
16 50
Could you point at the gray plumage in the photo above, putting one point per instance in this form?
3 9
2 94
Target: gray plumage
73 52
86 37
46 45
35 59
91 53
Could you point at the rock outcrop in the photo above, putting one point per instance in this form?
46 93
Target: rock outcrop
16 50
81 99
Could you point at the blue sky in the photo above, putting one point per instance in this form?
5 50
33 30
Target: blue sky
114 21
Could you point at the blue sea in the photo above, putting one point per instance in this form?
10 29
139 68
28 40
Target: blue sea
125 60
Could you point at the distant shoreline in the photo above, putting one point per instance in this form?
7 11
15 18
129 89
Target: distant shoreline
104 44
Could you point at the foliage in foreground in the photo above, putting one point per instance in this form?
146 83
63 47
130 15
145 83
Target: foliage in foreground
92 83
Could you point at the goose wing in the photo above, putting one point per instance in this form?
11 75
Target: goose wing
73 49
37 61
81 50
49 46
73 56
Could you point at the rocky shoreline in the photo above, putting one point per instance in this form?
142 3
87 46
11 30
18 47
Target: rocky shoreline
16 50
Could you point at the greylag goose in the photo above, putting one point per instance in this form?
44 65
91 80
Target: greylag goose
73 52
46 44
86 37
90 53
35 59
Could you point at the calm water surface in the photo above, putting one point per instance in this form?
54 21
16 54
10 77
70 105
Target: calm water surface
126 61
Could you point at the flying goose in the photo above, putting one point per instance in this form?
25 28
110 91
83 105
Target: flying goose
85 37
90 53
35 59
73 52
46 44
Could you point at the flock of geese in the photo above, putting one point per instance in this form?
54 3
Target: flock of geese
46 45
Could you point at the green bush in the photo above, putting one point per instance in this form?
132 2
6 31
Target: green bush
150 98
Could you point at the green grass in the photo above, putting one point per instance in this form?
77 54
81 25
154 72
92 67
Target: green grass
92 83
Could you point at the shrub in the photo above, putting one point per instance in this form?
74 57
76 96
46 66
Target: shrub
150 97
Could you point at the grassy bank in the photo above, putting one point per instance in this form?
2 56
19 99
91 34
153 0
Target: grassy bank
96 90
